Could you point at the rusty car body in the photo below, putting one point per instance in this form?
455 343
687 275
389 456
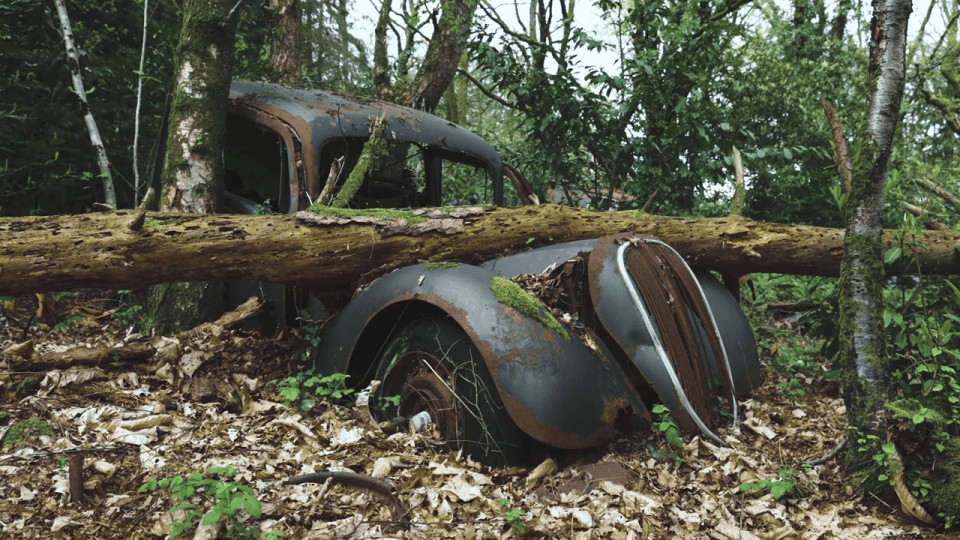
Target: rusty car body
613 326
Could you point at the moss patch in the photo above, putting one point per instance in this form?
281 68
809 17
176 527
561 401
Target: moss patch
442 265
511 294
945 483
378 213
32 426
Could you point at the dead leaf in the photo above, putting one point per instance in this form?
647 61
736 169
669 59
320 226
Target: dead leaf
548 467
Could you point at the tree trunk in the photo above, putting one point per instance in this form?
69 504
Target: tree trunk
862 335
285 46
109 194
193 171
443 55
99 250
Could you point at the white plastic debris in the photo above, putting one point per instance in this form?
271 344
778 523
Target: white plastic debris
421 420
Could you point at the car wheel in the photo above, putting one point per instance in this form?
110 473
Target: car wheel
433 366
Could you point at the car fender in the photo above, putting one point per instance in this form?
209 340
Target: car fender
560 392
735 331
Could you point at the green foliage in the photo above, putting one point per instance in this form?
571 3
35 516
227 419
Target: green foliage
68 323
311 334
786 485
152 222
944 486
26 386
23 429
792 317
262 209
514 516
130 311
886 460
924 355
791 389
302 389
387 403
216 499
46 165
666 425
60 295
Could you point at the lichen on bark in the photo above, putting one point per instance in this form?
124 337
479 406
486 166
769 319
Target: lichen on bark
861 333
192 178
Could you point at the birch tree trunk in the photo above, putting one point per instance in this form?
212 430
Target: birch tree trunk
862 334
106 179
193 171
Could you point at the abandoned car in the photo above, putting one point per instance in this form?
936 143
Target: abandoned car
568 345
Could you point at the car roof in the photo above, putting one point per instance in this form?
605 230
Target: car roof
332 116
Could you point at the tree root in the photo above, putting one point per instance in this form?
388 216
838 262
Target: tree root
378 488
829 455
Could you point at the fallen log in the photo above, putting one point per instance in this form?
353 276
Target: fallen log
40 254
135 352
130 353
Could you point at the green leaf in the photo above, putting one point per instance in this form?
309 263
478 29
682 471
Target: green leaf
252 507
750 486
779 489
673 437
892 254
212 516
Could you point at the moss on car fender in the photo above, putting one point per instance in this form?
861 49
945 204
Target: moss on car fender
513 295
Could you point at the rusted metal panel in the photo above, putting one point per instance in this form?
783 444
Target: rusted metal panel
612 300
559 392
330 116
304 180
617 312
736 333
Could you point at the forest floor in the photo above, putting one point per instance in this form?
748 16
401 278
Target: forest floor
202 400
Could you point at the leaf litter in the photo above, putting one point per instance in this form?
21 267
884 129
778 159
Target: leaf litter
203 401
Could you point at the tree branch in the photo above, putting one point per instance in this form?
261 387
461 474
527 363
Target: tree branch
841 155
487 92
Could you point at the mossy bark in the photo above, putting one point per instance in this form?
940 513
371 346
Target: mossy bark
183 306
285 42
862 335
372 150
56 253
192 179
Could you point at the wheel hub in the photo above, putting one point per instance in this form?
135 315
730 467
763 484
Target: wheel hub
425 384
